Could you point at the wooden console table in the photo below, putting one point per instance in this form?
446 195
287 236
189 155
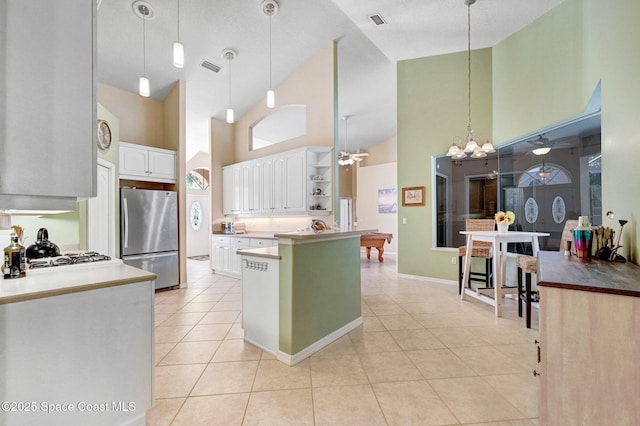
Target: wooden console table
589 345
375 239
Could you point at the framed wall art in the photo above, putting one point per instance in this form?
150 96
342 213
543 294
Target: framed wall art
413 196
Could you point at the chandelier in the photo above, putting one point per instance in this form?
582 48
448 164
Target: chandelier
472 146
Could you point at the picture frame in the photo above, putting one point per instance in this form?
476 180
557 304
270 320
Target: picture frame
413 196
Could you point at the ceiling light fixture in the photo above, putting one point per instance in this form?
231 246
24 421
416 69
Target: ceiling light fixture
270 8
144 88
229 55
541 151
178 48
471 145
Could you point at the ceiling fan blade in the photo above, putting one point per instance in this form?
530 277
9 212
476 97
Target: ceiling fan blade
356 158
360 154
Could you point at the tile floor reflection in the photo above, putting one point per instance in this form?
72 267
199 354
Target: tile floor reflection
422 357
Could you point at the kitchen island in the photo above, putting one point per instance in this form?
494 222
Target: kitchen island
319 296
76 346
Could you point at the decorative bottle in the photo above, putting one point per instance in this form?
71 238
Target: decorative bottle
582 236
14 259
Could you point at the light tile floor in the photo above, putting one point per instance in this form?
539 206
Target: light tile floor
422 357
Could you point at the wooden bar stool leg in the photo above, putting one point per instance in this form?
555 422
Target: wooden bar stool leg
528 290
459 274
520 291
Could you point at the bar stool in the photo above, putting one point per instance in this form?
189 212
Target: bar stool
529 265
480 249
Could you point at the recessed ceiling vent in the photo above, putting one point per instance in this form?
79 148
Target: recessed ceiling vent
211 66
377 19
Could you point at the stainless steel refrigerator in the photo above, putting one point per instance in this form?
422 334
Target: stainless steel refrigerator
149 233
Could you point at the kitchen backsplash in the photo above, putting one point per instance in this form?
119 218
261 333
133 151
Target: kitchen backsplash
279 224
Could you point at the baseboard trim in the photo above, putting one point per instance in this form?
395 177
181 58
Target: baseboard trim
432 280
315 347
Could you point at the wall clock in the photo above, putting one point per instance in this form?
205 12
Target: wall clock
104 135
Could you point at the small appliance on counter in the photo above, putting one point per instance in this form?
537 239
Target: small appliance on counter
227 227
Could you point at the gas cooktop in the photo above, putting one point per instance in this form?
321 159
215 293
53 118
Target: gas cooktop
68 259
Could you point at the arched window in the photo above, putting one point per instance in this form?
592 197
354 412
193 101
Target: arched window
198 179
544 174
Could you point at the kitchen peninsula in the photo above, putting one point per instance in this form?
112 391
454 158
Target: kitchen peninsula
76 345
319 295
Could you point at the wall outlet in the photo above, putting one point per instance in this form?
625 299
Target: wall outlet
404 220
453 260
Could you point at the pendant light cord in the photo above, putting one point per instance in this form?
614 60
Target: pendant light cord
469 60
178 21
270 51
144 47
229 61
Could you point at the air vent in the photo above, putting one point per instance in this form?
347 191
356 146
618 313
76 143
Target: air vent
211 66
377 19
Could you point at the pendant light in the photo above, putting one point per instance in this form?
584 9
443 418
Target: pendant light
178 48
270 8
144 88
229 55
471 144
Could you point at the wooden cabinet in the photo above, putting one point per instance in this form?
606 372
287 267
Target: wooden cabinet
139 162
589 345
292 183
225 259
48 106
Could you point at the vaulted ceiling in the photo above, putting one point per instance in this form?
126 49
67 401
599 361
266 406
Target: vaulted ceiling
414 28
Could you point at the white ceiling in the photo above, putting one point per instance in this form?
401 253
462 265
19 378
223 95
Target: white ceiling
367 53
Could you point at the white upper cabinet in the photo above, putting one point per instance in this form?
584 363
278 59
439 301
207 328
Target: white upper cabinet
290 183
48 107
139 162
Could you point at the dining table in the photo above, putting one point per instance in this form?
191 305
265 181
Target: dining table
499 241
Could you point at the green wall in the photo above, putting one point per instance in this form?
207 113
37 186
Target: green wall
541 75
319 290
432 110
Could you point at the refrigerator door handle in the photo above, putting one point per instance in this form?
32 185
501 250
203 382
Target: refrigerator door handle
151 256
125 208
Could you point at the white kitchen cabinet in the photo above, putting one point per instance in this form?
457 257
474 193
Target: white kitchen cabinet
289 183
47 115
139 162
224 252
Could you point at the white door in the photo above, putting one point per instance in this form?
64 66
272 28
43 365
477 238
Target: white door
101 224
198 227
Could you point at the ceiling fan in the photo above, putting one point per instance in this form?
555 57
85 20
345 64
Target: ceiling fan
542 145
346 158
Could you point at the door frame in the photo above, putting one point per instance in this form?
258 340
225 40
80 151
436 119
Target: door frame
93 213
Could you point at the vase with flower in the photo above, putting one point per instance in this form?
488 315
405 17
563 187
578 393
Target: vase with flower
503 220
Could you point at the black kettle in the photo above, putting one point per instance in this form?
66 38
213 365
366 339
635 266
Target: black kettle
42 247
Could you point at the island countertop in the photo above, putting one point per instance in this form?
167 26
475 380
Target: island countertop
60 280
588 274
324 235
264 252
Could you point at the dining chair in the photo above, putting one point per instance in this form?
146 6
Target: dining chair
481 249
529 265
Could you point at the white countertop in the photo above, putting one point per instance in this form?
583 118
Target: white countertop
324 235
264 252
47 282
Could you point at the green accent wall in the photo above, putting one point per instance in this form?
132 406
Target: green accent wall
432 111
319 290
541 75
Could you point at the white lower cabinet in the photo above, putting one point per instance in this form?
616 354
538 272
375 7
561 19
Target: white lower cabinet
225 259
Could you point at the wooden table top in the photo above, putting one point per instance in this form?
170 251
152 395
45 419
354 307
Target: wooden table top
588 274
